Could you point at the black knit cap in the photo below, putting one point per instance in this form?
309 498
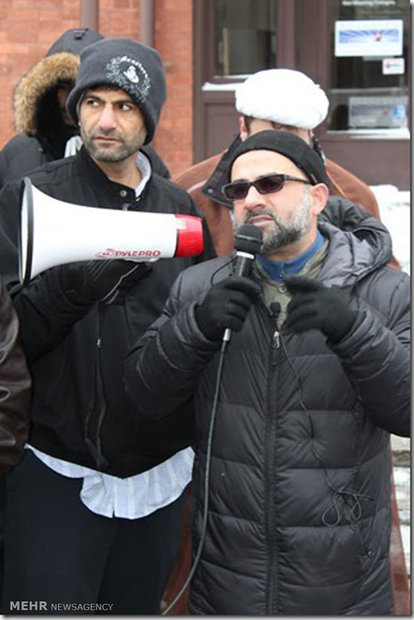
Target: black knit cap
290 146
74 40
123 63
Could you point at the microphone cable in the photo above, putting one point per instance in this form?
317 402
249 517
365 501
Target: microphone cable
351 499
247 243
219 375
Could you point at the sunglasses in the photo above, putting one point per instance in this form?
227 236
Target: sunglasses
264 185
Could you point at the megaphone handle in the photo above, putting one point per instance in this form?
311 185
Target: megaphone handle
25 250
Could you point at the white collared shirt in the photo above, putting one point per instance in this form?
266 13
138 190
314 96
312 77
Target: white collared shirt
129 498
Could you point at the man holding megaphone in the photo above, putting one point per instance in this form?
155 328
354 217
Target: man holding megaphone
94 508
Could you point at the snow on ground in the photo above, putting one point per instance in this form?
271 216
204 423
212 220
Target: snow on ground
395 213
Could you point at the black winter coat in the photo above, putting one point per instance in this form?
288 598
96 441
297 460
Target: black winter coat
80 412
299 497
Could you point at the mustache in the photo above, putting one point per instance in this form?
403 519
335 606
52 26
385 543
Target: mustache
252 214
111 133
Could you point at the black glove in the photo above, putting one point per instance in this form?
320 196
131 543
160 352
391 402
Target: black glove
100 280
226 305
314 306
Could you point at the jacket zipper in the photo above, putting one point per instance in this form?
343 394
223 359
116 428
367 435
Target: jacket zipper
99 403
271 586
101 461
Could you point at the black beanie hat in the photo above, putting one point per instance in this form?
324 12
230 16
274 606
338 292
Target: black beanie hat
123 63
74 40
290 146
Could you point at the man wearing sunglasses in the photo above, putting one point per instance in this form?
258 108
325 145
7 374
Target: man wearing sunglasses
282 100
314 378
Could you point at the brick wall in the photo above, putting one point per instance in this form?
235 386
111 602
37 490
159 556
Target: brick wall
119 18
174 41
28 28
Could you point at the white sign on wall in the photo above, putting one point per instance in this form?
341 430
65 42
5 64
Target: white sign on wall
371 37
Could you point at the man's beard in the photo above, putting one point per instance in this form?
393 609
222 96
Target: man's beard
284 232
112 153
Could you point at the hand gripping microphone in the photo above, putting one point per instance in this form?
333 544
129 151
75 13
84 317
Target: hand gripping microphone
248 242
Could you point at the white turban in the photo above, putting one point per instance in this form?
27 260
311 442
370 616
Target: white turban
283 96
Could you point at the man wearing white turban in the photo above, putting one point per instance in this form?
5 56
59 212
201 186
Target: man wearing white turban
284 97
280 99
286 100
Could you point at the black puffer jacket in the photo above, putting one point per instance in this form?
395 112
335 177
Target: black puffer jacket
80 412
299 514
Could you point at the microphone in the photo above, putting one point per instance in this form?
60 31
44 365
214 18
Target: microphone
248 242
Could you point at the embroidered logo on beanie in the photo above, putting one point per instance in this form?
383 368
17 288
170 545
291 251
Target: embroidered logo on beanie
130 75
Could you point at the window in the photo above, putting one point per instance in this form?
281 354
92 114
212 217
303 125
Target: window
245 36
369 65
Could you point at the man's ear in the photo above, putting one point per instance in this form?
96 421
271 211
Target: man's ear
243 129
320 194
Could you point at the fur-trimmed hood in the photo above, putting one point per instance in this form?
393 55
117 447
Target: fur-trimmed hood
36 110
32 90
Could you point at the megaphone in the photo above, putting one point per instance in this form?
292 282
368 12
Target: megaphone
53 232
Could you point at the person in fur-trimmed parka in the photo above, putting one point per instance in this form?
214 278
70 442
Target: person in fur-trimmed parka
45 131
315 377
